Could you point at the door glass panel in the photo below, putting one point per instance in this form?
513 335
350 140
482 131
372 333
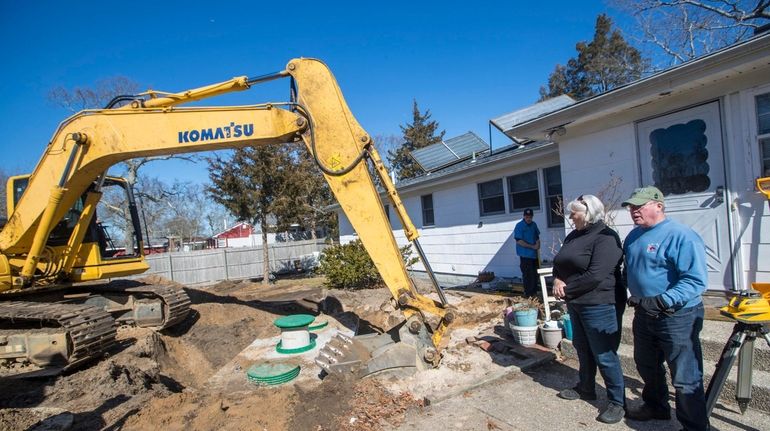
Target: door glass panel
680 158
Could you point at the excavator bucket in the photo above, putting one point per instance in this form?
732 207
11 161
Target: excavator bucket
403 353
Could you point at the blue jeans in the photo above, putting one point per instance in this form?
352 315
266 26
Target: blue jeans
675 339
595 336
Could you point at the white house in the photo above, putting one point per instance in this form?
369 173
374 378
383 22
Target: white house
700 132
466 211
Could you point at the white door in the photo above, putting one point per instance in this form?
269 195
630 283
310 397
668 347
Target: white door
681 153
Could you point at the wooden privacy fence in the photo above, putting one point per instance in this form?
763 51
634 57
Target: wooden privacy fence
211 266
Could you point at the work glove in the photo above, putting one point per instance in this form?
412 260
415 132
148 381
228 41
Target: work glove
653 306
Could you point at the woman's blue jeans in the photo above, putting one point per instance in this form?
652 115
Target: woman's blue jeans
676 340
595 336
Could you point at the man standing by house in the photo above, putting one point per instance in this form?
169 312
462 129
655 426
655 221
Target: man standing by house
666 273
527 237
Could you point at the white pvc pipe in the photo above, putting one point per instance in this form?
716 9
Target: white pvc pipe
295 338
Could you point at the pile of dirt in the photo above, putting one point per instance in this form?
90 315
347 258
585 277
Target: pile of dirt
156 380
350 405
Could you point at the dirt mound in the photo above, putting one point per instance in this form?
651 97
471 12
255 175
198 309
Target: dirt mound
162 380
347 405
260 409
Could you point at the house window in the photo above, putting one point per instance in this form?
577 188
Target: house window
523 192
553 196
491 198
763 131
427 210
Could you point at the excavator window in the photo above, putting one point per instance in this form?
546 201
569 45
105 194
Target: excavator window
113 226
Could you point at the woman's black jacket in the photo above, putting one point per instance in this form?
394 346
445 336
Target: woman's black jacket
589 264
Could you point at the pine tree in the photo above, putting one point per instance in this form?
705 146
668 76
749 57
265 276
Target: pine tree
253 184
602 64
312 195
419 134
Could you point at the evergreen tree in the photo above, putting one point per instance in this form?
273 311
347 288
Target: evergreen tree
252 184
419 134
312 192
602 64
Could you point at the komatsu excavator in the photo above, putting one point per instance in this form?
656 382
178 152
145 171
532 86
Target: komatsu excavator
59 297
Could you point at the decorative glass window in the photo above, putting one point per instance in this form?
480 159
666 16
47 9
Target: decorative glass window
491 197
427 210
680 158
763 131
523 192
553 195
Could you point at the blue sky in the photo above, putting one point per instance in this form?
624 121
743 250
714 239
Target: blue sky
467 62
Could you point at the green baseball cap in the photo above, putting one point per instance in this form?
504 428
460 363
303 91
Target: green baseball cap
643 195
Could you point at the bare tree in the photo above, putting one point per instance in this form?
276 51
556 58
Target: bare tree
106 94
680 30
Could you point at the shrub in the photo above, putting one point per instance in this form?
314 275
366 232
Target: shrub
348 266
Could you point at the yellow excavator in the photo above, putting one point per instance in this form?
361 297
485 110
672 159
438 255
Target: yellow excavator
60 292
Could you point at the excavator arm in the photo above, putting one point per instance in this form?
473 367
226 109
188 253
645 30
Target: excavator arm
87 144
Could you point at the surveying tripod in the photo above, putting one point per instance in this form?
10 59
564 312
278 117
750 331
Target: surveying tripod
740 344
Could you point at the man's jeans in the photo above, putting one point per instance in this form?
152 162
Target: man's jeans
595 336
529 275
675 339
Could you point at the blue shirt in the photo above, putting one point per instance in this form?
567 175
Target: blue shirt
529 233
667 259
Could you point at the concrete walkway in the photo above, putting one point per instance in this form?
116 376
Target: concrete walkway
528 402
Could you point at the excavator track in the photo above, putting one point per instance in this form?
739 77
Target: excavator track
90 330
176 303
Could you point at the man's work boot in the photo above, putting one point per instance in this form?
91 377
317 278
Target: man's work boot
612 414
575 393
646 413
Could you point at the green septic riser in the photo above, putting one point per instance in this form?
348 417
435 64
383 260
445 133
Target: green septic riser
272 374
295 335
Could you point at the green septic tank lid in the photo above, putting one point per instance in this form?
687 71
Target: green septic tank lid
280 349
294 321
272 374
317 326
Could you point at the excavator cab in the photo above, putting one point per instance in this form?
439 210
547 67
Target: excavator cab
110 229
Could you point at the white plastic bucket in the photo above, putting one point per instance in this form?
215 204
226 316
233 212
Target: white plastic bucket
524 335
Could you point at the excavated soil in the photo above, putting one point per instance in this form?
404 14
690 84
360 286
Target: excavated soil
156 380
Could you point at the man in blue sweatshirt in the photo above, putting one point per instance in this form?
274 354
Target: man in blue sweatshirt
665 266
527 236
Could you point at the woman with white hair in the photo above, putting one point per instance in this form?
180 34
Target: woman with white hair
587 276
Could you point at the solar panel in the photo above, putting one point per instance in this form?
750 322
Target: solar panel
445 153
512 119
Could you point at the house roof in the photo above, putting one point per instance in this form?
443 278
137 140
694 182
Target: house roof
508 152
231 228
749 55
501 155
